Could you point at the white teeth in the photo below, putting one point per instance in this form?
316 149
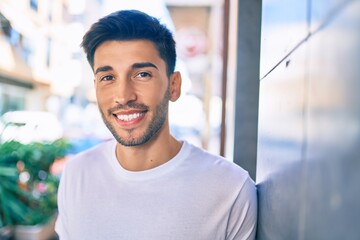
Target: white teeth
129 117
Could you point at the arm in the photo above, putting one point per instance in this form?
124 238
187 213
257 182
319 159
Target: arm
61 222
243 216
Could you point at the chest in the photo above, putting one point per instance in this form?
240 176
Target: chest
151 210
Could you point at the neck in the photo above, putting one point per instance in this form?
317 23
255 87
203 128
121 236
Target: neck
150 155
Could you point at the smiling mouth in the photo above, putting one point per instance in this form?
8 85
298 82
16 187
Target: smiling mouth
129 117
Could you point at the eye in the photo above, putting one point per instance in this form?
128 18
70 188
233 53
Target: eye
107 78
143 75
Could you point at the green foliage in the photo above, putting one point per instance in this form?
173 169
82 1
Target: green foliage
27 188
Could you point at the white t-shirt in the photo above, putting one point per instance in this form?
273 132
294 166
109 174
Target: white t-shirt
195 195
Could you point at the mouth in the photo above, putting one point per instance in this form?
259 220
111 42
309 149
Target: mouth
130 117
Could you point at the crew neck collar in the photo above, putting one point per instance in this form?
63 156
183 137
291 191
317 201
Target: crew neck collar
150 173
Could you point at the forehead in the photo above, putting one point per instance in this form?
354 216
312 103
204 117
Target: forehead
126 50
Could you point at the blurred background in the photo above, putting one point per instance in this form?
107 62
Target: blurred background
42 67
48 109
272 85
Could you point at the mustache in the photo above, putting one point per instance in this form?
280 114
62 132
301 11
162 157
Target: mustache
129 105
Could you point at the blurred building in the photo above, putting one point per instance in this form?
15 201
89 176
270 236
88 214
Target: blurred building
37 53
42 66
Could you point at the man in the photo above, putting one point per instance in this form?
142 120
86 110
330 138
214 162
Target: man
147 184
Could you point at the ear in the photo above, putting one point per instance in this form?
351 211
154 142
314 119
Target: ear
175 86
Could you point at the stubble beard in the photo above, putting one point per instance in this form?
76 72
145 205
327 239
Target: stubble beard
155 125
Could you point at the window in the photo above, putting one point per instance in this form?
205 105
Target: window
11 98
34 5
5 26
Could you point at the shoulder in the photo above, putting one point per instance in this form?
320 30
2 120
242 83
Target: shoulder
90 158
220 177
216 167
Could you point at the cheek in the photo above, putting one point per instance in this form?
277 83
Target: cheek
103 98
157 93
153 98
149 94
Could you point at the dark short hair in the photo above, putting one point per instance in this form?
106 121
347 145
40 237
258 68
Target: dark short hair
128 25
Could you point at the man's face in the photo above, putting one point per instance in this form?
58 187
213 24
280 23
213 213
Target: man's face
132 90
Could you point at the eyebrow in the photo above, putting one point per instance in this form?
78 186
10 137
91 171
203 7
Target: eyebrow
143 65
103 69
134 66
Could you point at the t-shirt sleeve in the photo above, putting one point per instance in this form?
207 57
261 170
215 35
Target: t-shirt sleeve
61 222
243 217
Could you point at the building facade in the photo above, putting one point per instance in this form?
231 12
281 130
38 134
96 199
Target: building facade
38 57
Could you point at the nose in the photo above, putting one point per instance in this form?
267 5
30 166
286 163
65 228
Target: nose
124 92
